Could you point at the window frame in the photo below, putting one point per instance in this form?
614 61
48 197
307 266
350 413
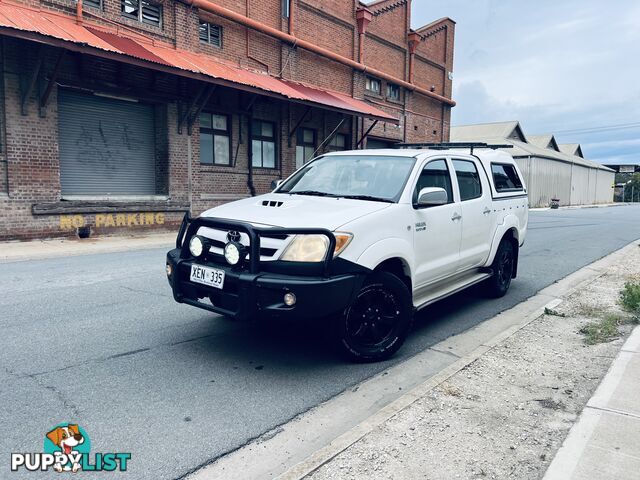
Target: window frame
369 80
414 195
262 139
390 87
140 16
453 160
213 132
286 13
335 148
208 40
506 190
314 145
97 4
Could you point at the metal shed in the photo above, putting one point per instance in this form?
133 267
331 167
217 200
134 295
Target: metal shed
551 170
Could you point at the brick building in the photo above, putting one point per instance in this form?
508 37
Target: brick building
123 114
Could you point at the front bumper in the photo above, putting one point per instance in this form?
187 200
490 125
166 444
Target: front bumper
258 288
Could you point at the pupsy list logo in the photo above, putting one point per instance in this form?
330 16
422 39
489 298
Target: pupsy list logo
67 449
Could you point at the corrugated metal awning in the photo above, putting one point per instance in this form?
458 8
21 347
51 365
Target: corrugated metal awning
61 30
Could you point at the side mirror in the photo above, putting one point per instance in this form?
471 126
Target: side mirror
275 184
432 196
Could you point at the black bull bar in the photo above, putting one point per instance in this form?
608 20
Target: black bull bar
190 227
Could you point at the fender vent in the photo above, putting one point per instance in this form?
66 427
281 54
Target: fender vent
271 203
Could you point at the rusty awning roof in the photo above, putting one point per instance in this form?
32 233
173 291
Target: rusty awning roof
123 44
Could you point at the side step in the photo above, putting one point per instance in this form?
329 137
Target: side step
429 294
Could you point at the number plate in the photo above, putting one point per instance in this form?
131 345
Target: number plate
207 276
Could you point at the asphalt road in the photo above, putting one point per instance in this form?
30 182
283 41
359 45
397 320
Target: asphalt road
98 340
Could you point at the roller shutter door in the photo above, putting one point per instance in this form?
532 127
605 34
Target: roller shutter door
107 146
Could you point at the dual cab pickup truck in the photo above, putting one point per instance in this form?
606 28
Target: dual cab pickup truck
362 239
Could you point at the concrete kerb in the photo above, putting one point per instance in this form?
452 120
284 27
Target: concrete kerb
550 297
576 207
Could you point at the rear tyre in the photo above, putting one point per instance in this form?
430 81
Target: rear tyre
376 323
502 267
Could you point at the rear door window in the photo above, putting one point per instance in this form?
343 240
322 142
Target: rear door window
505 178
468 179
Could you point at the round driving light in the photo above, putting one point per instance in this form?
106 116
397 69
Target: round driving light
196 247
169 270
289 299
232 253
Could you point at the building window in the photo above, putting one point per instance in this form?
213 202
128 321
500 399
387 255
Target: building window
263 144
92 3
373 85
142 11
285 9
338 143
215 139
393 92
210 33
305 145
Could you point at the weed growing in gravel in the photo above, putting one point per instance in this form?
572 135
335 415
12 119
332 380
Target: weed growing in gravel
606 329
630 297
555 313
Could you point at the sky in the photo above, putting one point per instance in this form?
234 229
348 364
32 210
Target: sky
568 67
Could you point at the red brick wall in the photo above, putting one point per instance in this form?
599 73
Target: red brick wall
390 21
29 154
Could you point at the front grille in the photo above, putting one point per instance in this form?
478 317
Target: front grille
271 245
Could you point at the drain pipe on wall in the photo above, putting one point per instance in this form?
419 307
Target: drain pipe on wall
189 173
214 8
79 12
252 188
292 13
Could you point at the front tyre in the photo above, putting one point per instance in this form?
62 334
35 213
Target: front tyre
376 323
502 267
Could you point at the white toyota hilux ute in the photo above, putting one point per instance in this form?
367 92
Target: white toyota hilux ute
361 239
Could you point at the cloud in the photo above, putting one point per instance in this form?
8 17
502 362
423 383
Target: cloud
553 65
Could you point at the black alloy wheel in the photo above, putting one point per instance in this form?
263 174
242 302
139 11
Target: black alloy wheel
502 267
378 320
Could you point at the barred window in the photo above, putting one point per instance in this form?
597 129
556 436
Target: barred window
393 91
210 33
142 11
373 85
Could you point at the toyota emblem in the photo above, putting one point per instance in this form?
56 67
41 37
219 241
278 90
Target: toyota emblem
233 236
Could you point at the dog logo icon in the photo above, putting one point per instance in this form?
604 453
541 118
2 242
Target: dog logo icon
67 448
69 440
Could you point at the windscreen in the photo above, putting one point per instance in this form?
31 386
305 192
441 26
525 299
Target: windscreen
367 177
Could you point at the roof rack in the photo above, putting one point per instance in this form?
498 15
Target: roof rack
448 145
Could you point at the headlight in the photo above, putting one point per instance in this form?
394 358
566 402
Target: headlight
306 248
313 248
196 246
232 253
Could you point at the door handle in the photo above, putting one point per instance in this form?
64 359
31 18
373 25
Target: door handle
456 216
486 210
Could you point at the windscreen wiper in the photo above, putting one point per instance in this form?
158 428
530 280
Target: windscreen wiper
367 197
310 192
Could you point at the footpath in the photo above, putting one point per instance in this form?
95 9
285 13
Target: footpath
54 248
558 399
